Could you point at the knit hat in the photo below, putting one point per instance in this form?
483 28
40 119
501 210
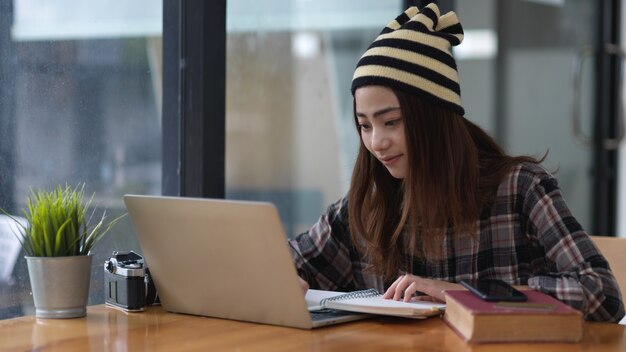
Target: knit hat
413 54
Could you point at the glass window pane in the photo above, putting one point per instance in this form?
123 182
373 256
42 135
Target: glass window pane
290 136
530 77
81 107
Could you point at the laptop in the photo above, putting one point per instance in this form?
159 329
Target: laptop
223 259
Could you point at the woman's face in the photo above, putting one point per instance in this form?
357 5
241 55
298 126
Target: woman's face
382 127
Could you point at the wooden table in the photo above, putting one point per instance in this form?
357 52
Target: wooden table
108 329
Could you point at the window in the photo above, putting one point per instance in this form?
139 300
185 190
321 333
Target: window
290 136
80 100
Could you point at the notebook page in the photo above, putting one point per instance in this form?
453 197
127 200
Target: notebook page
314 297
379 301
379 305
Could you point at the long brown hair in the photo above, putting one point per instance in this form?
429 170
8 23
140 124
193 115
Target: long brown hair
454 169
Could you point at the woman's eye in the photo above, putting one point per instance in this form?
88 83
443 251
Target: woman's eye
364 127
392 122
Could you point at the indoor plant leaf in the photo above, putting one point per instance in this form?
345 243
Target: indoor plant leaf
57 224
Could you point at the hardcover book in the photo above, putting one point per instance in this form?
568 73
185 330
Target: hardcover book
541 318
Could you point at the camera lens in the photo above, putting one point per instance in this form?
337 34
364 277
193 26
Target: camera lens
109 266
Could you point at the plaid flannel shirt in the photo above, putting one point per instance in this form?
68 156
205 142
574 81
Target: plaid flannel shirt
527 236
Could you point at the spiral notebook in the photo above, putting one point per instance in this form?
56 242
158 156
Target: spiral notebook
371 302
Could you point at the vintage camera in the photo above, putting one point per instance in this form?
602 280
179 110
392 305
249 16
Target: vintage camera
127 282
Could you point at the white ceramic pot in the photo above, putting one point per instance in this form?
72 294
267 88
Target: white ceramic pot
60 285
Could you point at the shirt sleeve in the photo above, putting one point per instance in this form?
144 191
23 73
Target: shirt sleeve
324 255
577 274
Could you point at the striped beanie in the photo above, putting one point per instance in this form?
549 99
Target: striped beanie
413 54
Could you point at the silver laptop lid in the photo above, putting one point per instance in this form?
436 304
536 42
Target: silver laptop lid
219 258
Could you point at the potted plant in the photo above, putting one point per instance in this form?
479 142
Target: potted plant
57 240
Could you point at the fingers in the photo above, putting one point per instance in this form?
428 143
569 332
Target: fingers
391 291
409 291
403 288
407 285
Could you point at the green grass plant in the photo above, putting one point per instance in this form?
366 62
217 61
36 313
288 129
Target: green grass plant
60 223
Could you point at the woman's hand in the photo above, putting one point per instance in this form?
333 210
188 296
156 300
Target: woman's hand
406 285
303 285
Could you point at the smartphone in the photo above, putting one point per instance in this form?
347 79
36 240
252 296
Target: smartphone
494 290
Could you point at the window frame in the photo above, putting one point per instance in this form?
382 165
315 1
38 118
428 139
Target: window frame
194 98
8 142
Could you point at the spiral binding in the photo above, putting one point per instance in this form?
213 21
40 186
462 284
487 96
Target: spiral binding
350 295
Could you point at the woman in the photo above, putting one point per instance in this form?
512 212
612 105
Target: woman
434 200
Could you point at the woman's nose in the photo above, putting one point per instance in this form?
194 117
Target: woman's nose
380 140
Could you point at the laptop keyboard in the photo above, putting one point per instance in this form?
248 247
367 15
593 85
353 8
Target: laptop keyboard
323 314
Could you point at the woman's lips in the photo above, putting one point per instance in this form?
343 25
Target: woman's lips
390 160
